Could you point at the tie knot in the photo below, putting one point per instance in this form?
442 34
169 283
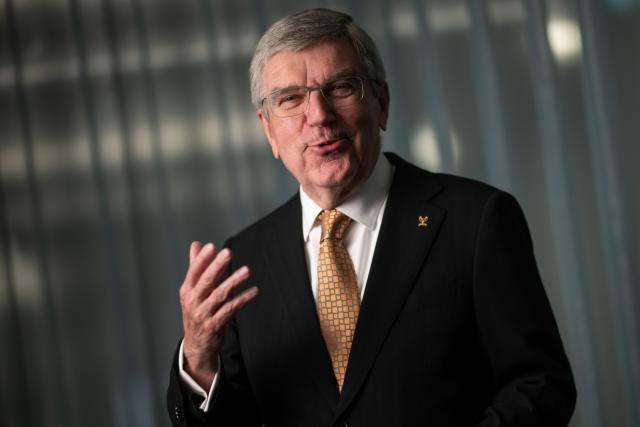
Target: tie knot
334 224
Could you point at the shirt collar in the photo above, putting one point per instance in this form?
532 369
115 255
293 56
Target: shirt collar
363 206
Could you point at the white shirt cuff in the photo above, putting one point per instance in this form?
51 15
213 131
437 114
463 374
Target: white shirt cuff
194 386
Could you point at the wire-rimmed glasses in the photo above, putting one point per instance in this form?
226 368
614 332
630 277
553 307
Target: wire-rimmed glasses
292 101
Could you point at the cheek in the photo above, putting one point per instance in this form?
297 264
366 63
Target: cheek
286 135
290 149
367 133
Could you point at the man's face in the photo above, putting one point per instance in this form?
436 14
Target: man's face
325 149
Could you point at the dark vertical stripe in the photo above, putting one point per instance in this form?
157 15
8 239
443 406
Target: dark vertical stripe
220 95
166 209
106 227
53 336
131 369
159 159
16 395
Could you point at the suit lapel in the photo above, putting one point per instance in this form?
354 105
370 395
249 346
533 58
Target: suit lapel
401 249
288 267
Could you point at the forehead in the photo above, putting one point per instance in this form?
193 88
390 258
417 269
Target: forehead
311 66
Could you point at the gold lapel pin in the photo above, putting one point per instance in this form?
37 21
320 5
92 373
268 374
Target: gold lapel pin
423 221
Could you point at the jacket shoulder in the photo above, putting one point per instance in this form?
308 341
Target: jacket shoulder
459 186
288 211
442 186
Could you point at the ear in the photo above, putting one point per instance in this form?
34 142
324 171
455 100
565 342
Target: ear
266 127
382 96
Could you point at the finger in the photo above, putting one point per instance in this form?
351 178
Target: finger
222 292
209 278
194 250
199 264
231 307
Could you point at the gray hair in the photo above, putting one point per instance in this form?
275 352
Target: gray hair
308 28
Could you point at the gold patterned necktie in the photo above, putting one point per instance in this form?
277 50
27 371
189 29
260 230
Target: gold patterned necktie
338 296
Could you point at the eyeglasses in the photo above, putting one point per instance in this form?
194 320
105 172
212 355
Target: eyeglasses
293 101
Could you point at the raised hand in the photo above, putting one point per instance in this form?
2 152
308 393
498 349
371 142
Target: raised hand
207 306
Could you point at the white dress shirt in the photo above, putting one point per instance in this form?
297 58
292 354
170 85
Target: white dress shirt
365 208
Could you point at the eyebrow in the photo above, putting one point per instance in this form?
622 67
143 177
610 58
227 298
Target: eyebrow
347 72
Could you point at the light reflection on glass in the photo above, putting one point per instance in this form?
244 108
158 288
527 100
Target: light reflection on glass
426 151
565 40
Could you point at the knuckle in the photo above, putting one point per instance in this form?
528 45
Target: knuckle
213 325
229 308
188 302
224 293
218 301
207 277
199 317
183 296
221 294
215 299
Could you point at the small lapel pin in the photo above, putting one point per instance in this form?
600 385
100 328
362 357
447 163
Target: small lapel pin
423 221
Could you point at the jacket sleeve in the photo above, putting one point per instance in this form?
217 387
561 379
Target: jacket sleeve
532 377
232 404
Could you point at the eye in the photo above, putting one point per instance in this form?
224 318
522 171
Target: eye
340 88
289 99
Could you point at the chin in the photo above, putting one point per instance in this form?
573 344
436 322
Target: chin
337 172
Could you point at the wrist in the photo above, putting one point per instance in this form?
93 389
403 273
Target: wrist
202 370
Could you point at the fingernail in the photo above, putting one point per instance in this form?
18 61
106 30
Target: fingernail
243 271
208 247
225 254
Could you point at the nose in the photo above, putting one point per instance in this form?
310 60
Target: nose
319 112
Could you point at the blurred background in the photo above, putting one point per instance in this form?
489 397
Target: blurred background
126 132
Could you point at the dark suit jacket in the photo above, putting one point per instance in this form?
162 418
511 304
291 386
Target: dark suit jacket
454 330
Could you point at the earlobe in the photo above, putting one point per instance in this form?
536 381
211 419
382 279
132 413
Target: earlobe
274 149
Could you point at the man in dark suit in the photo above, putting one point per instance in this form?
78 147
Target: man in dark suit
388 295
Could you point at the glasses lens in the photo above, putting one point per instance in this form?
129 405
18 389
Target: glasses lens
289 102
338 93
343 92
